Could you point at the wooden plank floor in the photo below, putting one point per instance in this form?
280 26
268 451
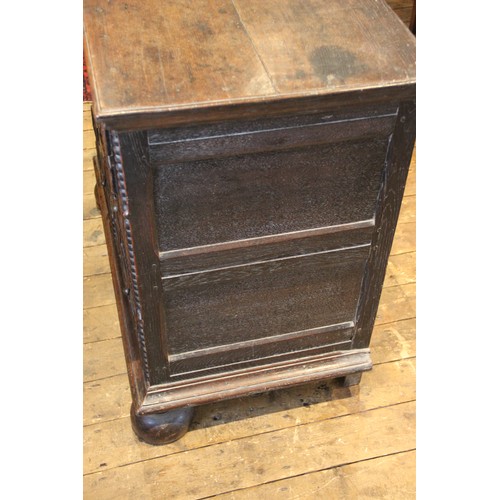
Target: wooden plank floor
315 441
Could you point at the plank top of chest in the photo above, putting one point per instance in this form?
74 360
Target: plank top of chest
150 58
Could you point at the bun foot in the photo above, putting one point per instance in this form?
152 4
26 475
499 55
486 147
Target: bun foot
350 380
162 428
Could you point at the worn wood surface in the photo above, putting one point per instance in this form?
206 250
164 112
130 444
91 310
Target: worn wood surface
387 384
198 143
97 290
262 458
389 477
235 433
250 250
268 193
100 323
176 53
95 260
88 154
404 238
279 442
312 290
245 196
301 51
403 9
390 197
93 233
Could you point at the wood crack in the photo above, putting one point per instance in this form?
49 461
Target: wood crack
254 47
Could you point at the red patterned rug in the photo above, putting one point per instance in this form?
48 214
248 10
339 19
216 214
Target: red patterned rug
86 86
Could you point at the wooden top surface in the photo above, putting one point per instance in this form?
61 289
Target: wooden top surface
159 55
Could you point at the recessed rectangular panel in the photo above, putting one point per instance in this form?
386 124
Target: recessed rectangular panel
259 355
226 199
267 300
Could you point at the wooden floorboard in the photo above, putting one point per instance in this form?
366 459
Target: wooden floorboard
95 260
389 477
249 461
315 441
93 233
100 323
114 445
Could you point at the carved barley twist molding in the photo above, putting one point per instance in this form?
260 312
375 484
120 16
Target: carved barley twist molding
136 302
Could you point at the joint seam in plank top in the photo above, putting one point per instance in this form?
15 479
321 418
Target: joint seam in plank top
254 47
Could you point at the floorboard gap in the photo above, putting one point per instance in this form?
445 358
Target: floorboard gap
247 437
311 472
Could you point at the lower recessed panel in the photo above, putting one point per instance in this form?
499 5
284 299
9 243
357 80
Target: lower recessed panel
266 309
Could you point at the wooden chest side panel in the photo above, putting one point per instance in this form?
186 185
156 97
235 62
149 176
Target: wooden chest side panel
228 199
262 300
243 299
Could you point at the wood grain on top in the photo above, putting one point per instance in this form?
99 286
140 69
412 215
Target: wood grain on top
147 55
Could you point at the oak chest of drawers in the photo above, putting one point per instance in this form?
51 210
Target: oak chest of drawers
252 158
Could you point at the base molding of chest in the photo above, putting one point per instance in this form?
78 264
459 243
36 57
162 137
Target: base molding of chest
245 382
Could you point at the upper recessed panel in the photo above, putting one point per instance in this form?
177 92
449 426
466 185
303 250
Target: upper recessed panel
158 55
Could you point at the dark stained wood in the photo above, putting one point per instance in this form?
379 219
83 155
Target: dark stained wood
254 380
206 202
343 119
413 18
259 300
138 386
139 258
262 351
235 111
391 195
265 248
287 136
162 428
249 196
